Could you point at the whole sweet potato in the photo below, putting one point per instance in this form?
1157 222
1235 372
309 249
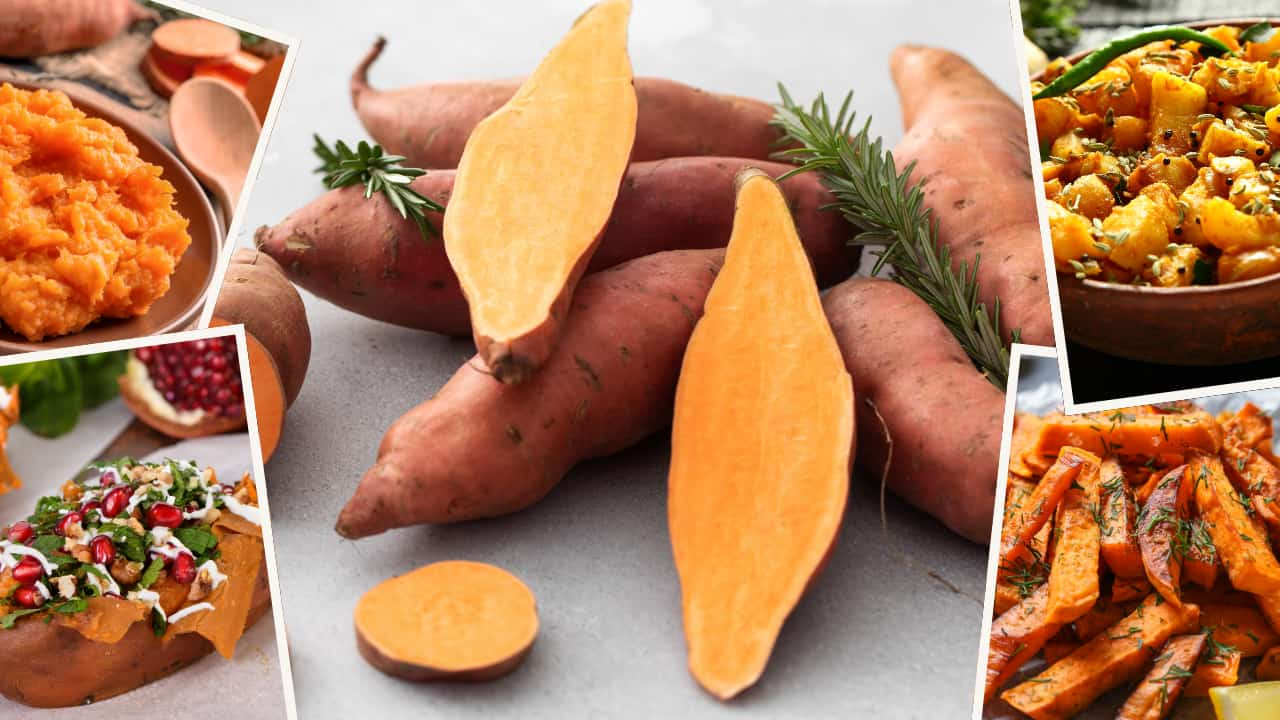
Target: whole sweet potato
31 28
922 407
969 143
481 449
429 124
361 255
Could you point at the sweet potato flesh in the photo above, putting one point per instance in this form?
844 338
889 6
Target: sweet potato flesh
761 445
448 619
535 187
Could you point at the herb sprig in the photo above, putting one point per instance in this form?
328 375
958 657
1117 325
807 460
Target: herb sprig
889 210
370 166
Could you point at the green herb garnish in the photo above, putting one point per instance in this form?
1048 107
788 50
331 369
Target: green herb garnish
368 165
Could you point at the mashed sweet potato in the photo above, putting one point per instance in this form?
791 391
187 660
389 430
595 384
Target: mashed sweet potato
87 228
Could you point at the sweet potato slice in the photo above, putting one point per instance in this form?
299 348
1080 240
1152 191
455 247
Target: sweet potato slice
1200 563
1158 527
1016 636
754 512
1241 543
1243 628
451 620
1019 577
1110 659
1131 434
1220 667
1155 696
1020 527
1269 666
1074 574
1257 478
535 187
1117 516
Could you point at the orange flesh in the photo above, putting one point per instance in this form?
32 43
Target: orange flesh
1073 577
87 228
453 617
268 393
754 511
538 179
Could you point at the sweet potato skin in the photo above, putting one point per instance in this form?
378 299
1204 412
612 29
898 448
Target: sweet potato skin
429 124
943 417
362 256
55 666
32 28
482 449
969 143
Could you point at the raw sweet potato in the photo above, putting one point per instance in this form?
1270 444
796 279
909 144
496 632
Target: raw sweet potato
429 124
481 448
522 226
913 378
754 512
1240 540
1016 636
361 255
969 143
1156 694
1108 660
1074 574
31 28
452 620
255 293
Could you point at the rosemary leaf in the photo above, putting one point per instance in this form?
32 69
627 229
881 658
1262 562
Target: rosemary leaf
889 212
370 166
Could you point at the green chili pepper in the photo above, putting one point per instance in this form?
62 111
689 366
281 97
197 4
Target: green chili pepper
1098 59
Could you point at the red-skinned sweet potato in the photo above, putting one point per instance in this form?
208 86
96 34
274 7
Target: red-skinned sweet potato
429 124
31 28
481 448
911 379
969 143
361 255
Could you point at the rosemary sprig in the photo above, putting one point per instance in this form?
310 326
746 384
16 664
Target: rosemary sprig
889 211
370 166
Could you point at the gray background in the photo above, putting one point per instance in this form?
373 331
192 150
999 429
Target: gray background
891 629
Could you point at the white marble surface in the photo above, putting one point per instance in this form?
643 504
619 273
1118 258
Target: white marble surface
891 628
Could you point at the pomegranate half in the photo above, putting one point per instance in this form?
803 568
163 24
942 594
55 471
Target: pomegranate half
186 389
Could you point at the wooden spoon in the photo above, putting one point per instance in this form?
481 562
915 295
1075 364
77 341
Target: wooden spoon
216 132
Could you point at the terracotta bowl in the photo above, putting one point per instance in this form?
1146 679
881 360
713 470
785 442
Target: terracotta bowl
1199 325
180 307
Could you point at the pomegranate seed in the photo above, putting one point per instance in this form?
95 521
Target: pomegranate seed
144 354
218 362
70 518
184 568
116 501
28 597
233 410
21 531
108 478
28 570
103 550
164 515
91 505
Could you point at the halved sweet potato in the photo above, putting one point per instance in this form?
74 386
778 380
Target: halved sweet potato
754 511
452 620
535 188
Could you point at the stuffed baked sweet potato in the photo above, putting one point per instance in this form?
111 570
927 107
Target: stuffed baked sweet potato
124 578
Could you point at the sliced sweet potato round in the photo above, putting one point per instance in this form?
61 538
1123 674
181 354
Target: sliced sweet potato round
454 620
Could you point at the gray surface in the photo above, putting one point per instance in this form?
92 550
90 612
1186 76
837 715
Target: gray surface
883 633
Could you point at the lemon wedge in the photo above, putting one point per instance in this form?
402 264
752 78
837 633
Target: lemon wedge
1254 701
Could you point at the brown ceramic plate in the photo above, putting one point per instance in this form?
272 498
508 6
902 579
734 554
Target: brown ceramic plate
180 307
1199 325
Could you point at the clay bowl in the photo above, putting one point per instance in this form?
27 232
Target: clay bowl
1199 325
193 277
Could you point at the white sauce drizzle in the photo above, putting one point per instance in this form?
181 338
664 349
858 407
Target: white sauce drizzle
96 581
9 549
248 512
191 610
44 591
215 576
151 598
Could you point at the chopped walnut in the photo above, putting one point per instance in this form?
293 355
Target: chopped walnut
71 492
73 531
125 571
81 553
66 586
212 516
201 587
